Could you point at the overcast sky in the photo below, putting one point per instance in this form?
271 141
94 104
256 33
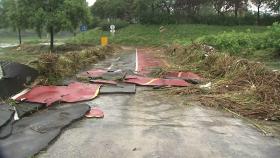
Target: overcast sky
91 2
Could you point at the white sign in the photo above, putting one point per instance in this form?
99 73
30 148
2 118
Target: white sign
112 27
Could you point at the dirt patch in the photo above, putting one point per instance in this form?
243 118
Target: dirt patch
246 87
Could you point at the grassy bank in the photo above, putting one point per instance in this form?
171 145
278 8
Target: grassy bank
149 35
261 46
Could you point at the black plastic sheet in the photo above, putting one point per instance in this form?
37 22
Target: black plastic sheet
32 134
13 78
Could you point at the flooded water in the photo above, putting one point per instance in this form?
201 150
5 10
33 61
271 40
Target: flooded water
7 45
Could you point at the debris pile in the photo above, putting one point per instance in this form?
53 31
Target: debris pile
74 92
36 131
232 76
54 67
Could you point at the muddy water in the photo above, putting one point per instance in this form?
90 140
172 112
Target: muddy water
153 125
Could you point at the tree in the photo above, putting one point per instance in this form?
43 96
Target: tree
274 5
100 8
121 9
77 12
189 7
219 5
259 4
57 15
237 5
16 15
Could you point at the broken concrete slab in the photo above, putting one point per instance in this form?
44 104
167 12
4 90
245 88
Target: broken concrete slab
118 89
104 74
74 92
14 77
113 76
32 134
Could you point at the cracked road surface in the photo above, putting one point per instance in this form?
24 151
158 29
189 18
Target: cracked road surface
151 124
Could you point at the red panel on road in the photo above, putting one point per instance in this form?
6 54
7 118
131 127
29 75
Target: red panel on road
183 75
146 61
95 113
145 81
74 92
94 73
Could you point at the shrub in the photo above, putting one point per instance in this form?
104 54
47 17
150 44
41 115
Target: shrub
95 22
238 42
273 36
105 25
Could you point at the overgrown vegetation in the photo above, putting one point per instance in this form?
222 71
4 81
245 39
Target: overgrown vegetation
65 61
245 87
54 67
214 12
236 42
150 35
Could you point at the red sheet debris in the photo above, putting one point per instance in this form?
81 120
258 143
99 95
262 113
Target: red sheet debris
94 73
104 82
95 113
74 92
145 61
146 81
182 75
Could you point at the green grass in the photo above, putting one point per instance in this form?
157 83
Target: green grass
270 57
149 35
134 35
8 36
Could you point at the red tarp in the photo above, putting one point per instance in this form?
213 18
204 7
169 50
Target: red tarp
145 61
182 75
145 81
74 92
95 113
94 73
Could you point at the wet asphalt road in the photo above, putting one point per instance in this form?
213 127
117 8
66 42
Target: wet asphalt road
153 125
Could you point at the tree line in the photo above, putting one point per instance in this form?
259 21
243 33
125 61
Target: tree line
180 11
51 16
